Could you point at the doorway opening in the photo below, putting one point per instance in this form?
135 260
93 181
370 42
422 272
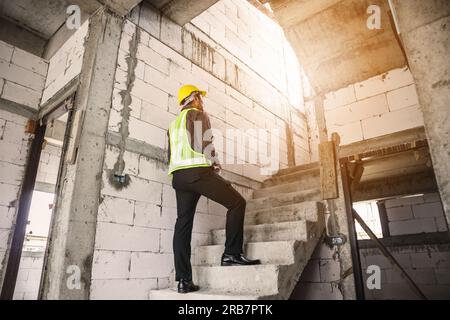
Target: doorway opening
36 203
397 197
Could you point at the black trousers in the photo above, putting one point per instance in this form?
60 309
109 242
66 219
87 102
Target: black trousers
190 185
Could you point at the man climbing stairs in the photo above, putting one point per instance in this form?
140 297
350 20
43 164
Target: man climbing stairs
283 224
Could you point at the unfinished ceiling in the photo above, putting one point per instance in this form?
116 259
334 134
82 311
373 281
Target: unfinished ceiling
404 163
333 42
181 11
42 18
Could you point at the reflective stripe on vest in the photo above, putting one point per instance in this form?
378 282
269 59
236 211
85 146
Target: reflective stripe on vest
182 156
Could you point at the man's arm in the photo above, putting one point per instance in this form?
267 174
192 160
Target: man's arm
212 155
198 143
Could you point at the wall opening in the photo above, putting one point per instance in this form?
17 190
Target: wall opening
25 265
371 216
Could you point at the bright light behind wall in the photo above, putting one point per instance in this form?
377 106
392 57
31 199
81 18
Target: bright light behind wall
293 73
369 213
40 213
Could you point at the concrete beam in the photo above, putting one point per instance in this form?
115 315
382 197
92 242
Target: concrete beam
420 239
424 26
183 11
68 265
122 7
295 11
378 143
423 182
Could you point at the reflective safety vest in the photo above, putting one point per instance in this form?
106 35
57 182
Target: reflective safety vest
182 156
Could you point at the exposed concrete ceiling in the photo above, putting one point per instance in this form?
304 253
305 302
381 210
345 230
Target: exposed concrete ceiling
43 18
121 7
181 11
333 42
405 173
404 163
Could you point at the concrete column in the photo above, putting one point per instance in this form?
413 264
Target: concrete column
425 30
67 271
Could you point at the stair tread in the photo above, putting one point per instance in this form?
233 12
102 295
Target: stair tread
285 187
299 168
236 268
283 207
202 294
252 243
269 252
271 224
284 178
287 193
284 199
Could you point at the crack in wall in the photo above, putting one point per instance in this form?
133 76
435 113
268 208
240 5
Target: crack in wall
117 177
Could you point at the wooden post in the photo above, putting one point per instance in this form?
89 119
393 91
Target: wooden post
328 168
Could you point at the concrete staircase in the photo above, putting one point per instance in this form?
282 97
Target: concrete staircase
283 224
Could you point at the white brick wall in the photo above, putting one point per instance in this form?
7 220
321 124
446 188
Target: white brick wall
14 144
66 63
122 289
416 215
22 76
428 265
49 164
135 224
29 275
237 26
160 72
255 89
381 105
318 280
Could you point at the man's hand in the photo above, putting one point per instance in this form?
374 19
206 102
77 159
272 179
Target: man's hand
217 167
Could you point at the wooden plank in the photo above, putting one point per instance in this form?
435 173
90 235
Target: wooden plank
328 174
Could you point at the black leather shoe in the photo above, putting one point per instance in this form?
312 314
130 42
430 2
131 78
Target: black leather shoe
237 260
185 286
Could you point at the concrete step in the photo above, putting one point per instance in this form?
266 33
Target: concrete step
308 210
274 252
303 184
280 231
283 199
260 280
309 176
202 294
303 167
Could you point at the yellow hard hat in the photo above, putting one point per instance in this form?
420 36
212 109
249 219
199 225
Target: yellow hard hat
186 90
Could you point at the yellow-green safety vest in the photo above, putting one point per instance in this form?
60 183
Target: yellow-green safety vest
182 156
